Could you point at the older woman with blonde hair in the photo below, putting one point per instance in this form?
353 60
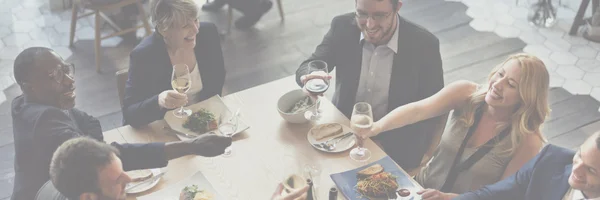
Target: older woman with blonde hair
179 39
494 129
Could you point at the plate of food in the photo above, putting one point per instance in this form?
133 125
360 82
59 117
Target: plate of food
331 137
381 180
204 119
142 180
196 187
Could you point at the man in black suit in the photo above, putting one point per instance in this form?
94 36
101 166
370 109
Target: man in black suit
44 117
387 61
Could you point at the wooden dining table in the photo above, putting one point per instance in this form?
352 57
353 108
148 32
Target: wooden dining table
263 155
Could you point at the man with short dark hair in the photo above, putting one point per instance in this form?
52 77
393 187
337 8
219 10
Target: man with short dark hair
83 169
387 61
554 174
44 117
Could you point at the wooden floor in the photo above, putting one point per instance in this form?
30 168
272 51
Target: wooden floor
274 50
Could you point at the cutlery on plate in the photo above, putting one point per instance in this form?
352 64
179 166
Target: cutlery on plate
330 146
150 180
337 137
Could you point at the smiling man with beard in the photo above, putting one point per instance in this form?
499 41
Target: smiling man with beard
44 117
386 61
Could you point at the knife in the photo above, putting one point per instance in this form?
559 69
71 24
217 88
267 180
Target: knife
338 137
150 180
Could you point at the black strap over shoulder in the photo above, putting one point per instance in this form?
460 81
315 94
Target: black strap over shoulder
457 167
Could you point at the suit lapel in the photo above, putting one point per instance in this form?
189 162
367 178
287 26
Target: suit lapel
352 64
559 185
404 73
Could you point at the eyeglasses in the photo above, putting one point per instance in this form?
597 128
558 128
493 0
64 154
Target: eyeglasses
376 17
60 73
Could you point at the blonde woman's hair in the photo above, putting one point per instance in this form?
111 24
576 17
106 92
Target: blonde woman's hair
170 13
533 93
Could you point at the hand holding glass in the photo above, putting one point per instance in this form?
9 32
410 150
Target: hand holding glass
316 86
361 121
181 82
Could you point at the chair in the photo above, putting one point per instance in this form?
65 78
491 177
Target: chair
579 21
230 15
122 77
98 12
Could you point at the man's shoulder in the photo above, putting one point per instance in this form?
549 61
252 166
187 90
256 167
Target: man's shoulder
21 109
344 20
417 32
555 155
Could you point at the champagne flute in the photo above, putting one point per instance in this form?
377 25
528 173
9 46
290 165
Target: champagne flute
316 86
361 120
181 82
227 128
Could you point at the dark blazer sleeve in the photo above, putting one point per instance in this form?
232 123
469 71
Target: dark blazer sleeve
324 52
89 125
139 108
142 156
513 187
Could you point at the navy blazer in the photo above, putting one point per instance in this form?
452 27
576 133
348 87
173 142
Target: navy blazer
416 74
544 177
150 73
40 129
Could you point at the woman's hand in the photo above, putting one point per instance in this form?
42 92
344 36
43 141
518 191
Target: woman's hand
299 194
375 130
171 99
431 194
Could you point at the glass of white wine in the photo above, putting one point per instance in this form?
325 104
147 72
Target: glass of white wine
181 82
360 121
227 127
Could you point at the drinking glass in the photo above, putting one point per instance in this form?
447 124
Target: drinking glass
227 127
181 82
360 121
316 86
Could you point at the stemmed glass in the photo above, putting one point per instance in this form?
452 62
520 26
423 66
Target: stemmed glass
228 127
361 120
316 86
181 82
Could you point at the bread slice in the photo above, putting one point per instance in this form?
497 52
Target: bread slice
139 175
326 130
372 170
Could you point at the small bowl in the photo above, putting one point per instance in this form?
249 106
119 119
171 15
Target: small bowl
287 102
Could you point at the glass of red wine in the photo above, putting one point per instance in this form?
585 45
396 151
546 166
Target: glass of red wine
316 86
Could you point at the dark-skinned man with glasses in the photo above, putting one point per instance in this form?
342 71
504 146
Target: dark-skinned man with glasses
386 61
44 117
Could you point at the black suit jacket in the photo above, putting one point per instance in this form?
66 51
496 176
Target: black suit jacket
416 74
40 129
150 74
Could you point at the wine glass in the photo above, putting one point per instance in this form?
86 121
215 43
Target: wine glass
181 82
228 127
316 86
360 121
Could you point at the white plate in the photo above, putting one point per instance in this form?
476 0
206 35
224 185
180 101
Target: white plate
343 145
214 105
146 186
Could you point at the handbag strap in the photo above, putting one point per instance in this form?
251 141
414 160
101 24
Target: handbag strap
457 167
